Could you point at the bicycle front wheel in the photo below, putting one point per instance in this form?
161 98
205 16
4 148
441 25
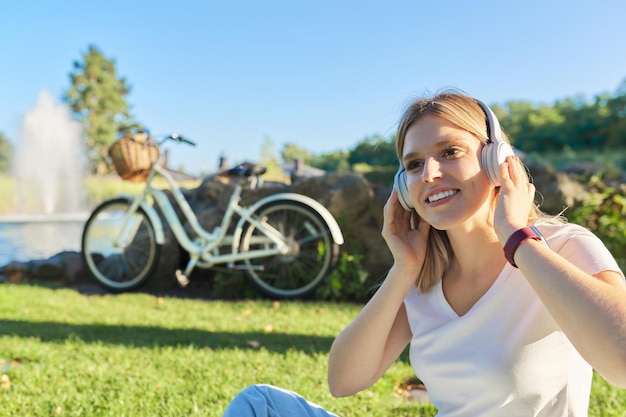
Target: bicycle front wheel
312 250
119 248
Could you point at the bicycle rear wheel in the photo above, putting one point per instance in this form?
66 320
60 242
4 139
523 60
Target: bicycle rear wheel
120 256
312 254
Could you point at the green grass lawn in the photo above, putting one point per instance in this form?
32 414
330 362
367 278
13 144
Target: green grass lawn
70 354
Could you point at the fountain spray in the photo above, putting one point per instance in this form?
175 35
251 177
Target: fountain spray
50 165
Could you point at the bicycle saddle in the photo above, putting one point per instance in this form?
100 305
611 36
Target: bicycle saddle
245 170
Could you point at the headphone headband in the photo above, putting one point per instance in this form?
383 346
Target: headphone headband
494 132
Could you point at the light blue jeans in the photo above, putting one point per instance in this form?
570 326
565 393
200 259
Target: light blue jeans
269 401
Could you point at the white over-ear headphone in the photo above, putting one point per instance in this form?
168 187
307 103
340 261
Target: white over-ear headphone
494 153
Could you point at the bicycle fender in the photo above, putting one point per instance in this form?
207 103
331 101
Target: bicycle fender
335 231
159 235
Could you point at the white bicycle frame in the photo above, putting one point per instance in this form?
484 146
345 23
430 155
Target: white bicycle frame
203 250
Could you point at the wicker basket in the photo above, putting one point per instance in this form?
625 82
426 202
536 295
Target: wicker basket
132 159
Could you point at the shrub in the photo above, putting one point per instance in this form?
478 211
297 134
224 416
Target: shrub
347 281
604 213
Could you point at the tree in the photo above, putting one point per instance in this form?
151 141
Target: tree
375 151
292 152
97 97
617 126
6 153
330 162
514 121
271 163
267 152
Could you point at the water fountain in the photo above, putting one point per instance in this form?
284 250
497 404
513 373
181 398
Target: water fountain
49 175
49 165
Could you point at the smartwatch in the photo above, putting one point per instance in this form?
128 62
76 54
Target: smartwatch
530 232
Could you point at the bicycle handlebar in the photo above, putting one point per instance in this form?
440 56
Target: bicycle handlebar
180 138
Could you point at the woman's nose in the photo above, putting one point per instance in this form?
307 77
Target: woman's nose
431 171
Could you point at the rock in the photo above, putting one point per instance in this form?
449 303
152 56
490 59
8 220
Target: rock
169 260
358 208
65 267
419 395
349 197
556 191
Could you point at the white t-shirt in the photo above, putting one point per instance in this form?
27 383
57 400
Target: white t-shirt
506 356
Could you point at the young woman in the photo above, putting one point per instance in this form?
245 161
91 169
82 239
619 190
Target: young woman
502 319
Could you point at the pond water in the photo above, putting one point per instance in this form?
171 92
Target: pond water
38 238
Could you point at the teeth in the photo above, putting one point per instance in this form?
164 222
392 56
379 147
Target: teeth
439 196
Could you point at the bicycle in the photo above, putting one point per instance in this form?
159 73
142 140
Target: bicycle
285 243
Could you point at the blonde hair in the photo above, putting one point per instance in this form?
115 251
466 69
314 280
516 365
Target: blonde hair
464 112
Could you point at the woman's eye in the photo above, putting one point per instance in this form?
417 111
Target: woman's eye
450 152
413 165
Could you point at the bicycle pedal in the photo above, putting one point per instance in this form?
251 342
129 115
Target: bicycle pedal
181 278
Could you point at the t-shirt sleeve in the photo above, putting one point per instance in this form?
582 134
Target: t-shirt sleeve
585 250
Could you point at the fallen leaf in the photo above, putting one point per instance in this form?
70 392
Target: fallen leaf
5 382
254 344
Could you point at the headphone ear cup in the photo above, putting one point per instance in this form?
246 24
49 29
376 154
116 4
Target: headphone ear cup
492 156
399 183
496 150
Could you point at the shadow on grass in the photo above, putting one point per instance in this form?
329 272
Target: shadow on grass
145 336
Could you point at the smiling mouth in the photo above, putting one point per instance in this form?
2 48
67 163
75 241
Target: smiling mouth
440 196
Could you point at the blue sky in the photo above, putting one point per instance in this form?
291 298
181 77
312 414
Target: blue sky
321 74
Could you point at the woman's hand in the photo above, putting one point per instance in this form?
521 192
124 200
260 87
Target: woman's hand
407 245
515 201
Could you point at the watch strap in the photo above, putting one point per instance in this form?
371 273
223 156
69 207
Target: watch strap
516 239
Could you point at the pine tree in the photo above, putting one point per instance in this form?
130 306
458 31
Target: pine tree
97 98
